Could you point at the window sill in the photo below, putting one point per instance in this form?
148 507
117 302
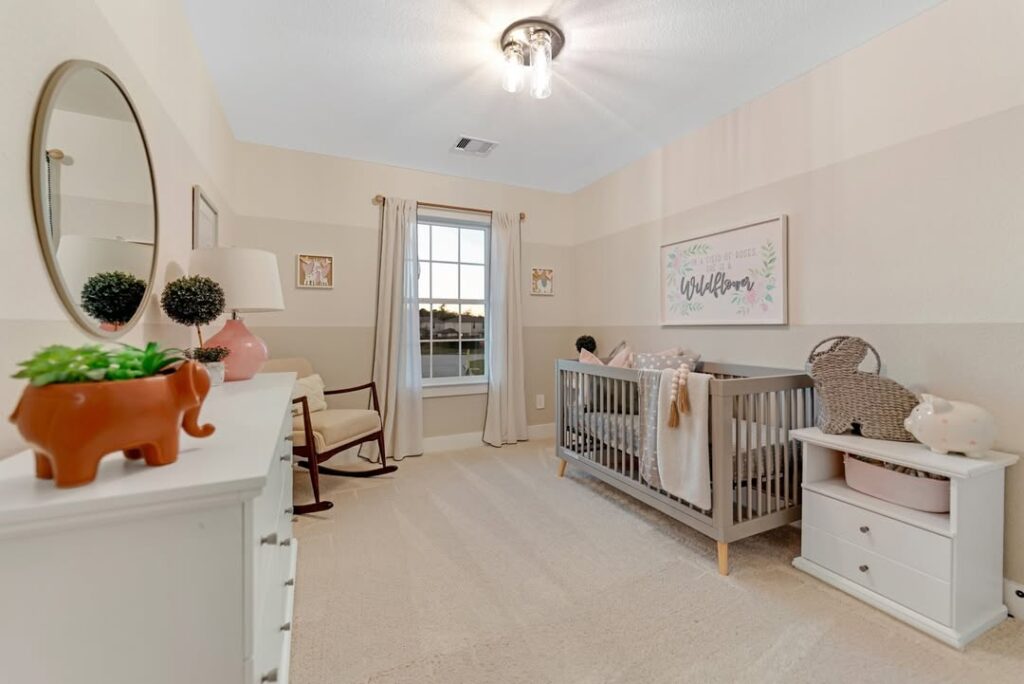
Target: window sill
454 389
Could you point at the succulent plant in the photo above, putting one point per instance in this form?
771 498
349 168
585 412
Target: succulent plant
93 363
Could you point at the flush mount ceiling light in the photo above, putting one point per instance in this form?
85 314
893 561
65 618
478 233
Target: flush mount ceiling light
532 43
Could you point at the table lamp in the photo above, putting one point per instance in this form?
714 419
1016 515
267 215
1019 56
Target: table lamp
251 284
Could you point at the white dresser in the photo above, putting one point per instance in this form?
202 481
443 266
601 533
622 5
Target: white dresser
939 572
183 573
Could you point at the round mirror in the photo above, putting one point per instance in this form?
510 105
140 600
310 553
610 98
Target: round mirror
95 197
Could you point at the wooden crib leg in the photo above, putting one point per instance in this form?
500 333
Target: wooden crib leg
723 558
561 468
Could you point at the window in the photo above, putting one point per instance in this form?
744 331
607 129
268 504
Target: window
453 300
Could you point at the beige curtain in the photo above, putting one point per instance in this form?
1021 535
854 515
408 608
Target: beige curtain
505 421
396 351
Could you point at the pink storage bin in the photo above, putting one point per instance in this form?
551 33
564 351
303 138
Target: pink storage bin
920 493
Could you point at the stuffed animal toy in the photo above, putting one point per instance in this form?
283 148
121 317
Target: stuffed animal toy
852 400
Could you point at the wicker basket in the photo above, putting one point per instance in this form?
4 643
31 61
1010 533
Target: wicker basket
850 400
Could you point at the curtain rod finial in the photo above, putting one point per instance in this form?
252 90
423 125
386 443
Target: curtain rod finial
378 199
522 216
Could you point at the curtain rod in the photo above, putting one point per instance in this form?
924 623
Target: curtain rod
379 199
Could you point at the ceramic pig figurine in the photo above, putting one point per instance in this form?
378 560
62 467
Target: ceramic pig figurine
946 426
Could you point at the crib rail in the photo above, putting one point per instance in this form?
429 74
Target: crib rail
755 469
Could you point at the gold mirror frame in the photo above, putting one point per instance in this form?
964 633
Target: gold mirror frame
42 120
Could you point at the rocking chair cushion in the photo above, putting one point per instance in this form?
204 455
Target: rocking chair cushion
334 427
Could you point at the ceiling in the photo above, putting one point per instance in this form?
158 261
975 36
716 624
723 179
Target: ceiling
398 81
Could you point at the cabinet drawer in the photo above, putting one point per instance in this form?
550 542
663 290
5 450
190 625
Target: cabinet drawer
917 591
919 549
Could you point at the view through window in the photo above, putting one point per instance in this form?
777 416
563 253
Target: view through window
453 300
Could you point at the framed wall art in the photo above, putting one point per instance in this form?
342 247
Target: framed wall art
314 271
204 220
734 277
542 282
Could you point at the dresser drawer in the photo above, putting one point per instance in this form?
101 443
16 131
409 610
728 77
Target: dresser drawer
919 592
919 549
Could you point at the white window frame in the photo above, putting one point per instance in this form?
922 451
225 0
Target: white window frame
465 384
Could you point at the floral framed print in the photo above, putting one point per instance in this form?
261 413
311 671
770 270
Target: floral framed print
314 271
734 277
542 282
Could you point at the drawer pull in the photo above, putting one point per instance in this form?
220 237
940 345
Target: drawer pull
286 542
286 458
289 438
290 583
289 510
286 627
863 568
864 529
269 677
269 539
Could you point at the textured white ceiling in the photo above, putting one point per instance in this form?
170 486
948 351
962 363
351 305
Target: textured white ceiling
397 81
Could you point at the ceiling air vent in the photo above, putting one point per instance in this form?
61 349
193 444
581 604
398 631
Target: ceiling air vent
473 146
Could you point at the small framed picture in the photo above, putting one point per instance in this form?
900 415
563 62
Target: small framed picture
314 271
542 282
204 220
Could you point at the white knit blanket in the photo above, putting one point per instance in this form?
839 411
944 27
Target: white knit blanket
683 463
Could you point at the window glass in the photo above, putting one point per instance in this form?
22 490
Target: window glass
452 301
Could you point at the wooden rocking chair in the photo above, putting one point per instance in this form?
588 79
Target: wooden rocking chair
319 435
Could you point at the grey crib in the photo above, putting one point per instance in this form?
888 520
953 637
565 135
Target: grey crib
755 469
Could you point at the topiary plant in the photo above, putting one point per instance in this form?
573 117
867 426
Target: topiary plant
586 342
193 301
113 297
93 363
208 354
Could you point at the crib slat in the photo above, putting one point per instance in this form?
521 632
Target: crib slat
734 429
761 453
751 423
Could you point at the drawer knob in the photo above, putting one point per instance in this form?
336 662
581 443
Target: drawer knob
269 539
286 627
286 458
289 510
289 438
865 529
286 542
863 568
269 677
290 583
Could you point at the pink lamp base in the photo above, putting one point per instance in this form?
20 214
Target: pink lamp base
248 352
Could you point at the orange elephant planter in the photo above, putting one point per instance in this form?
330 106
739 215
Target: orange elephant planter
72 426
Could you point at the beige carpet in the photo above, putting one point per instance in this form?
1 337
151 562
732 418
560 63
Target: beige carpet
482 566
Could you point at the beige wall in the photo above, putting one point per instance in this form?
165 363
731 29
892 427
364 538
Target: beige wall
290 202
150 49
901 167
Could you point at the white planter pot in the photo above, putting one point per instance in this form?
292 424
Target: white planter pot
216 371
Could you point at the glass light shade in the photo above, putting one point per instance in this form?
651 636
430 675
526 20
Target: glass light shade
540 64
512 81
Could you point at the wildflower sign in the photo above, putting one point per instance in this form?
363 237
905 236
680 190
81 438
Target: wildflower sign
735 277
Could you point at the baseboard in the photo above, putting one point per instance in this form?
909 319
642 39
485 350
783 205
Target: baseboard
542 431
467 440
1013 598
462 440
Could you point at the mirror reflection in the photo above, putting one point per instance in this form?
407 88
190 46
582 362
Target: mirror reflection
95 204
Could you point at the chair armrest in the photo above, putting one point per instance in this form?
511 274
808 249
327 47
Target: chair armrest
372 386
307 425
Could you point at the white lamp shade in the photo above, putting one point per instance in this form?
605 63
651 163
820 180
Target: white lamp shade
250 277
